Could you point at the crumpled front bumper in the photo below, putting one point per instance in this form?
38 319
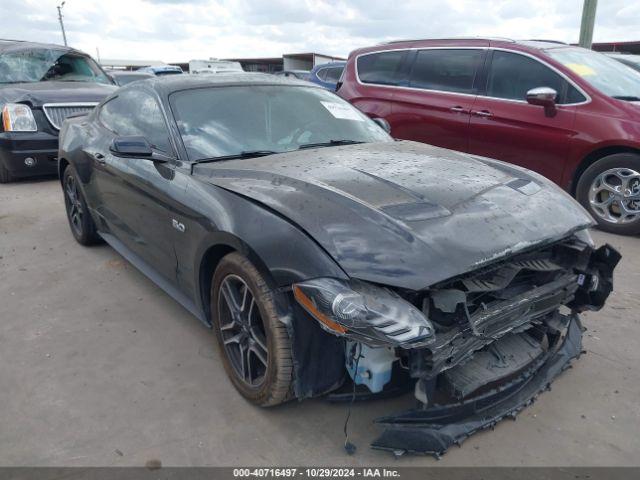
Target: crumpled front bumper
434 429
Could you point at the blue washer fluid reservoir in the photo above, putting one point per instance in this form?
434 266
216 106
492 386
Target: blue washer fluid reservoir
374 366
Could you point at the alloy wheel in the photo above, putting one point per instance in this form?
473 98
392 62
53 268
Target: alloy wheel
74 206
615 195
242 330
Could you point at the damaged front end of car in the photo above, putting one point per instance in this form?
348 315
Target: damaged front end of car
477 348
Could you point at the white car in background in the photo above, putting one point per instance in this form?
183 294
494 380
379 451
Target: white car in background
214 66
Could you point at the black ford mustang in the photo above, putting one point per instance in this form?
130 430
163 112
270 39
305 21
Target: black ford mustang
325 254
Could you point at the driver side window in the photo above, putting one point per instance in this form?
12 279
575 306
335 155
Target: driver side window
512 75
136 112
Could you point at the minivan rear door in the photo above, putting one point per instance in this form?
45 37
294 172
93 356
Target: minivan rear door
504 126
434 102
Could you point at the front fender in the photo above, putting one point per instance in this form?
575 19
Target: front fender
283 254
222 220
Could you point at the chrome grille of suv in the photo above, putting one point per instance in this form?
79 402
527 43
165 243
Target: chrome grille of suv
57 112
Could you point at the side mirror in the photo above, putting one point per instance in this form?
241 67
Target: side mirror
113 79
383 124
544 97
131 147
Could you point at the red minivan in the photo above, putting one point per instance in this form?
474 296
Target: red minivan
568 113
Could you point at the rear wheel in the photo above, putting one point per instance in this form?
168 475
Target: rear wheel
254 343
610 190
80 221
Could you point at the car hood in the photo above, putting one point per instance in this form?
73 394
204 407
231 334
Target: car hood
404 214
39 93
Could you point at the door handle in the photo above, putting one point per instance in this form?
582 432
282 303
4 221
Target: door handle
482 113
457 109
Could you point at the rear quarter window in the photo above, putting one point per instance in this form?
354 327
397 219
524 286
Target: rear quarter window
333 74
380 68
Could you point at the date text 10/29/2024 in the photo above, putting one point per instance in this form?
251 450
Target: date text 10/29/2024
325 472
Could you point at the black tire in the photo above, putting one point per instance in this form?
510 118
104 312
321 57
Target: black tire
270 383
5 176
622 162
82 226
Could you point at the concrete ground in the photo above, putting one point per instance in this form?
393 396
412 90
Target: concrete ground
99 367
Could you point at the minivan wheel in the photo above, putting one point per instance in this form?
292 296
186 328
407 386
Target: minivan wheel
254 343
610 190
80 221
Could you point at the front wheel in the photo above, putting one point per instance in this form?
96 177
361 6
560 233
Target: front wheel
80 221
254 343
610 190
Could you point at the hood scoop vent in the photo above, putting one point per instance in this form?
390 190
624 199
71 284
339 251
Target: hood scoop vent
416 211
525 187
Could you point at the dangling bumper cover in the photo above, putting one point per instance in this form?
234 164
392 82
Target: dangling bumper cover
434 429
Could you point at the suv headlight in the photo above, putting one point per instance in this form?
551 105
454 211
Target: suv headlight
17 117
373 315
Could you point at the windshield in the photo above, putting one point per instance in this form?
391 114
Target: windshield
39 65
604 73
225 121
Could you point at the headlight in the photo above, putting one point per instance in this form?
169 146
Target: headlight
373 315
17 117
585 236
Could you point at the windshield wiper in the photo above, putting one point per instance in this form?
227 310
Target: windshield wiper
330 143
628 98
244 154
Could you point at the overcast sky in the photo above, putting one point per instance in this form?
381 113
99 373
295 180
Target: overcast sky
180 30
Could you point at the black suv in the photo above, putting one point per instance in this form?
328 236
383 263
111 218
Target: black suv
40 86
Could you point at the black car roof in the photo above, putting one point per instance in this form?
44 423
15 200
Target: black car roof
19 45
172 83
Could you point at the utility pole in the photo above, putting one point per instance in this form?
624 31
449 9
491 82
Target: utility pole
588 20
64 35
